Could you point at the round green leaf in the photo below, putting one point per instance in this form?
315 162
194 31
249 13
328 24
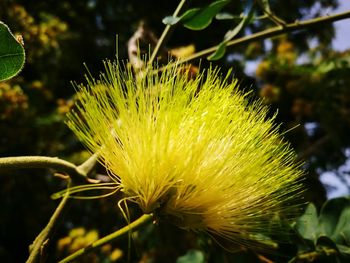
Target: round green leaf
11 54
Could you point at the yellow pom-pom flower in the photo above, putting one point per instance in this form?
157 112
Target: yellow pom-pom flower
191 150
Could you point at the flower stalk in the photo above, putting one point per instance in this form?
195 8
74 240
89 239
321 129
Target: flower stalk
113 236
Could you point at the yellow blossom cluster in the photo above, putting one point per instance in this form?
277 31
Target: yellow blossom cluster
194 151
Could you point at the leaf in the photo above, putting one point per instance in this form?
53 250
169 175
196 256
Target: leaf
307 224
190 13
12 54
192 256
219 52
341 234
330 215
248 7
227 16
233 32
344 250
172 20
205 16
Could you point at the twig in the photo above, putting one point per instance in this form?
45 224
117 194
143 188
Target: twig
165 35
313 148
78 174
298 25
87 166
130 227
270 15
41 240
313 255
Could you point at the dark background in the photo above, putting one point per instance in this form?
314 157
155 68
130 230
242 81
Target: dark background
311 94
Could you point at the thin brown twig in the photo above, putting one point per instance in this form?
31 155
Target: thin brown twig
313 148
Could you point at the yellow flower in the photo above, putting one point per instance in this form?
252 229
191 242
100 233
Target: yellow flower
193 151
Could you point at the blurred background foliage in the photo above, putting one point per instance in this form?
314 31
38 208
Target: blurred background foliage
298 73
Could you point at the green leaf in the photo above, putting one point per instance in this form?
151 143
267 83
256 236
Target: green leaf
192 256
307 224
344 250
233 32
11 54
227 16
190 14
341 234
204 16
219 52
330 215
172 20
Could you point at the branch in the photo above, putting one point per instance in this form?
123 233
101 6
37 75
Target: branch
313 148
78 174
41 240
132 226
298 25
165 35
270 15
314 255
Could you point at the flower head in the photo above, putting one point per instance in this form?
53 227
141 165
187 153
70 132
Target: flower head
194 151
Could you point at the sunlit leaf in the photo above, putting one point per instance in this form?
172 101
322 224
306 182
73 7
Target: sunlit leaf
11 54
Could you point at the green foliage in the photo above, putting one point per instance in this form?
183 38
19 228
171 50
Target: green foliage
11 53
221 50
197 18
192 256
328 231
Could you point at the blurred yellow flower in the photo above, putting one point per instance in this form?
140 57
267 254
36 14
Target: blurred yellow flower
193 151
